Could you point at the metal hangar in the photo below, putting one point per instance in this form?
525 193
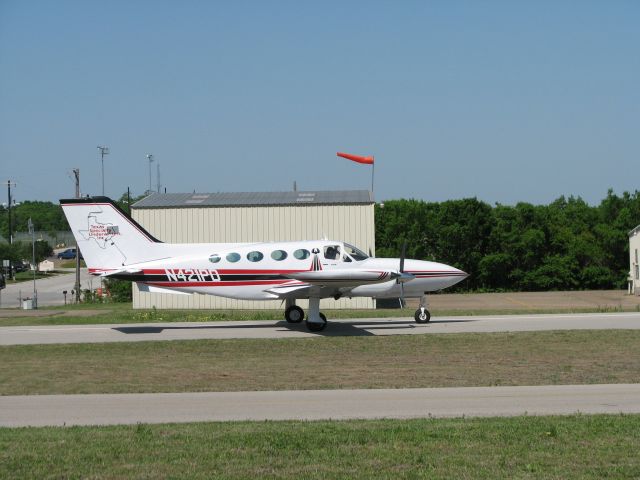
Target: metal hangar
633 280
254 217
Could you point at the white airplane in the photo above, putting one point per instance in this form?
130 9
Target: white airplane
116 246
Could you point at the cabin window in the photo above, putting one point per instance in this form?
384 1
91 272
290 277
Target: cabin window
278 255
233 257
215 258
332 252
301 254
255 256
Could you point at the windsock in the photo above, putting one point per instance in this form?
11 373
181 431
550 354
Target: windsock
356 158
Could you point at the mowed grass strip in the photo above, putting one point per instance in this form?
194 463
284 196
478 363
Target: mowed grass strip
446 360
124 314
111 313
574 447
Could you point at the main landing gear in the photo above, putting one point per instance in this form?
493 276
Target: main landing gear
422 315
316 321
293 314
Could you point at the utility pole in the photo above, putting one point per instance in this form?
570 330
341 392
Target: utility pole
103 151
158 175
32 231
150 158
9 183
76 174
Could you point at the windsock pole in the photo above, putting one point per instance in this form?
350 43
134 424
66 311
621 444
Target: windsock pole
359 159
373 169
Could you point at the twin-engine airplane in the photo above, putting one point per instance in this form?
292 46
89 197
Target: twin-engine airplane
115 246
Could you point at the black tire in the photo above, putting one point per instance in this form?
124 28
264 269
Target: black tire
294 314
422 318
317 327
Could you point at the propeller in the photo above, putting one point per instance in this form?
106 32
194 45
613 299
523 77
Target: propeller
402 255
402 276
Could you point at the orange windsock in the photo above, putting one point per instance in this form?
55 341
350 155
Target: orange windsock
356 158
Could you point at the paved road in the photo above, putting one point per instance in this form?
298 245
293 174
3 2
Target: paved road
273 329
41 410
49 289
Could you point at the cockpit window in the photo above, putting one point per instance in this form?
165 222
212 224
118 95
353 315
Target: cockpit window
355 253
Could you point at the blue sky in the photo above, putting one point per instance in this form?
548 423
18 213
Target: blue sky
506 101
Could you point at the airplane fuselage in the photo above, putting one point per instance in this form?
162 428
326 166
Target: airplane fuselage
258 271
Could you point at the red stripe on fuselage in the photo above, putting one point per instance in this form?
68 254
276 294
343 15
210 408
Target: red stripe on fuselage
219 284
224 271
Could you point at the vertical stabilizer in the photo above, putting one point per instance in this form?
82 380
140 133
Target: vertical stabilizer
107 237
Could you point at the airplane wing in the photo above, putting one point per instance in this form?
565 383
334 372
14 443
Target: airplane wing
328 283
153 289
344 277
294 290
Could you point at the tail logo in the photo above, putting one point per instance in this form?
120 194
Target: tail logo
101 233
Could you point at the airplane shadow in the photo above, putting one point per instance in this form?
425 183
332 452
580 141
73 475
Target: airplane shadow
334 329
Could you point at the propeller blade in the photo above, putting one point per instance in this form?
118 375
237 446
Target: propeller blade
402 278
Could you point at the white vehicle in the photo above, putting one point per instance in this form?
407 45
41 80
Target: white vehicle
115 246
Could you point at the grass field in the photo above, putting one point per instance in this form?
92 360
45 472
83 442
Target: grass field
574 447
27 276
403 361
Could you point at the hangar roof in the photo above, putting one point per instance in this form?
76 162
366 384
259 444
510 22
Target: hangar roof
243 199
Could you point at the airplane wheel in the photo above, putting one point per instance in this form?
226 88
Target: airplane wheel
421 317
293 314
317 327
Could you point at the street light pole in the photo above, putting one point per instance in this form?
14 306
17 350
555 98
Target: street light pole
150 158
103 151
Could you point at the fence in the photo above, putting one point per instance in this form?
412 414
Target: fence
62 239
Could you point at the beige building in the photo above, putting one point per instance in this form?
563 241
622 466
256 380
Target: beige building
254 217
634 270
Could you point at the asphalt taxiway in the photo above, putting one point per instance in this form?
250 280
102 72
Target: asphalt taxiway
24 335
58 410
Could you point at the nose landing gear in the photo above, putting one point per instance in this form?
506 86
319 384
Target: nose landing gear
422 315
